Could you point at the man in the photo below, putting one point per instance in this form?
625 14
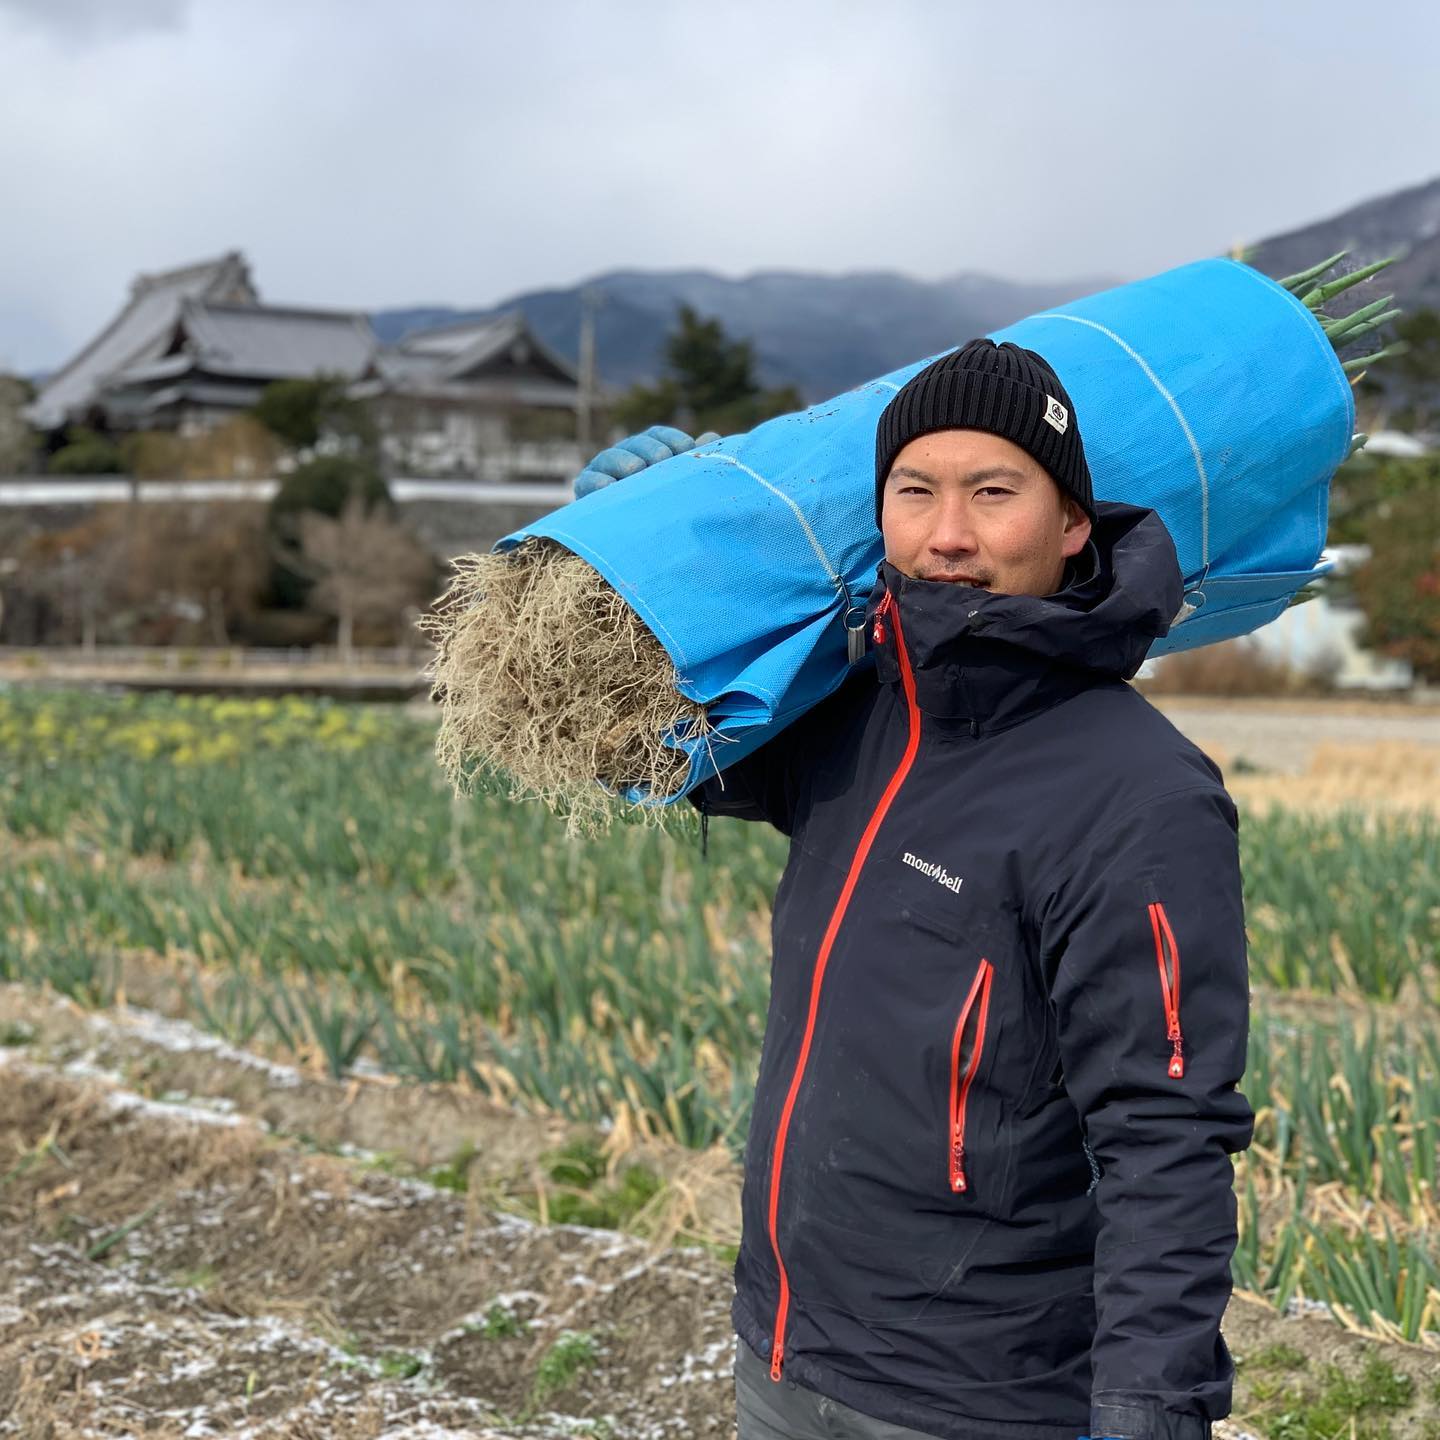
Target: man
988 1187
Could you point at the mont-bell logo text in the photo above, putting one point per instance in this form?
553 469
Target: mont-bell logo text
936 871
1056 415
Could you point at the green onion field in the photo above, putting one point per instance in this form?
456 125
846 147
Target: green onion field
295 878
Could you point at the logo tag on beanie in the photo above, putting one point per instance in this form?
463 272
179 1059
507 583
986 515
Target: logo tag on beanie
1056 415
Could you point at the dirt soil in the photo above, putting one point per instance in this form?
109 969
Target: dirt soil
1280 735
418 1126
185 1267
1318 757
171 1271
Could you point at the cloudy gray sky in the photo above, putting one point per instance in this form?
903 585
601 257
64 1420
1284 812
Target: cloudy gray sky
370 152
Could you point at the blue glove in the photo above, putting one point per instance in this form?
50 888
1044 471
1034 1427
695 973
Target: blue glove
638 452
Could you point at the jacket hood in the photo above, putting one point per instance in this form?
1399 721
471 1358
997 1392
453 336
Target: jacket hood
992 659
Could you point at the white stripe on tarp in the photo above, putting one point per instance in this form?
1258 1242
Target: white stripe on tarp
799 514
1179 415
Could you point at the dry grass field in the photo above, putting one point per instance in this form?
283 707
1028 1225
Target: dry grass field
1318 756
1383 777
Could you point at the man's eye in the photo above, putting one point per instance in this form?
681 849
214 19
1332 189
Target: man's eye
992 490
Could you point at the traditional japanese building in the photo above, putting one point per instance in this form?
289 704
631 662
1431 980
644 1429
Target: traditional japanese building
485 399
140 332
217 359
195 346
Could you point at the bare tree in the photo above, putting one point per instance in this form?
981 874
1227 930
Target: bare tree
154 573
367 568
80 574
203 559
17 440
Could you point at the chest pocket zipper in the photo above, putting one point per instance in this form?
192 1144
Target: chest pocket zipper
1167 958
966 1048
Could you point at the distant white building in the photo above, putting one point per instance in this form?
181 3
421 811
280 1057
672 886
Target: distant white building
487 400
195 346
1398 443
1326 629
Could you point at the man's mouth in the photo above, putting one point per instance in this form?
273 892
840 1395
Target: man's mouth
959 580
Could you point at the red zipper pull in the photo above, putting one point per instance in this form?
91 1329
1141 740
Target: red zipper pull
958 1182
777 1354
878 632
1177 1060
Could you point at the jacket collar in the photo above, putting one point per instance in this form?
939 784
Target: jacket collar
983 662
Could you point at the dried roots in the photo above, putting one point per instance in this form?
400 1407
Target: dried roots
545 676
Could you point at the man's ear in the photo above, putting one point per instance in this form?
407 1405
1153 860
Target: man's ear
1077 528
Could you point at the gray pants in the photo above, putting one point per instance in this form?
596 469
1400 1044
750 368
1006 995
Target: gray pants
787 1411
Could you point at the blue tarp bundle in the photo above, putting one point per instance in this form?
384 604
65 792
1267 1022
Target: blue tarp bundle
1208 393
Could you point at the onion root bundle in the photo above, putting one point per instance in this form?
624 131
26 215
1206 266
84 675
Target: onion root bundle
547 679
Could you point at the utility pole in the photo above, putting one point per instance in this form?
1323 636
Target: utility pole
590 301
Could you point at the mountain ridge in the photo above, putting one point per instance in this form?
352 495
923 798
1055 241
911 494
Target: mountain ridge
828 332
824 333
1403 222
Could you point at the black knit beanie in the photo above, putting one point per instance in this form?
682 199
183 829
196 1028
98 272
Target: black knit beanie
1003 389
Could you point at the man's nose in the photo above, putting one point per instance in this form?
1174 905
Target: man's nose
953 533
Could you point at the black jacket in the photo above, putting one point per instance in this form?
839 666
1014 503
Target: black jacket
988 1187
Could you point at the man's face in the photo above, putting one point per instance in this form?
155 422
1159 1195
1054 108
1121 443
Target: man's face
965 505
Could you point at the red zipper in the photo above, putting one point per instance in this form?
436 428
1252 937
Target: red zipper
962 1074
1169 984
862 850
877 632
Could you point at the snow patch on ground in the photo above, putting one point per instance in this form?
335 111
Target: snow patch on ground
715 1362
180 1037
126 1102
